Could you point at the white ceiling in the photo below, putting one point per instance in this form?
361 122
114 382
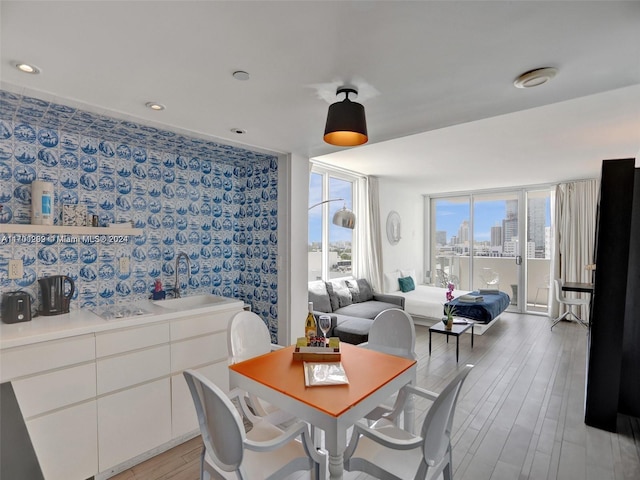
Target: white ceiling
436 78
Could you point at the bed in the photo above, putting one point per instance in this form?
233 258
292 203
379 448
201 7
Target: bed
426 303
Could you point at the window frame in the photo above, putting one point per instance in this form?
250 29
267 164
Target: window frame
327 174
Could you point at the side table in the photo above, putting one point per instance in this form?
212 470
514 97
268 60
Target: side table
456 330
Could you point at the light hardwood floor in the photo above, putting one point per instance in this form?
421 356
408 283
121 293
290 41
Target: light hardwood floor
519 416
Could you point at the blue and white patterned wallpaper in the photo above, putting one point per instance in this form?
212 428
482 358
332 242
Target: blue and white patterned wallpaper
215 202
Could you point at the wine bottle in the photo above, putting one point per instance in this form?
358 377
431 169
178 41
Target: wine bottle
310 327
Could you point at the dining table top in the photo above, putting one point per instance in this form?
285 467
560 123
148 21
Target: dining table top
577 287
366 371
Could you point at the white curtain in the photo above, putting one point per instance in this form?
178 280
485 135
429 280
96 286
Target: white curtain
369 239
574 233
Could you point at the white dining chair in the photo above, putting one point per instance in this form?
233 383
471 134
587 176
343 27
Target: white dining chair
570 303
265 452
387 452
248 337
392 332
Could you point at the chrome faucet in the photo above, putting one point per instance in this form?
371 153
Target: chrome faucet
176 284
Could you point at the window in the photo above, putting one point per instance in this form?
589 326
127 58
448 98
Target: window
330 246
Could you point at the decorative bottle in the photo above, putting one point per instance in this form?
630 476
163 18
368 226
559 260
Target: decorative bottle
310 327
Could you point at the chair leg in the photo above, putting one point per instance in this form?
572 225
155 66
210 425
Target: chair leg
446 471
561 317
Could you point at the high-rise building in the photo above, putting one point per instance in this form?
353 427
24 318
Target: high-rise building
441 237
510 222
496 236
536 223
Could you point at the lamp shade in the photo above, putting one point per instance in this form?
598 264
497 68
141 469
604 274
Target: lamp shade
344 218
346 123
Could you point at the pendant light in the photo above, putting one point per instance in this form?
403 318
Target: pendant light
346 123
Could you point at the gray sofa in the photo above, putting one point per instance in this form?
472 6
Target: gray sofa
352 305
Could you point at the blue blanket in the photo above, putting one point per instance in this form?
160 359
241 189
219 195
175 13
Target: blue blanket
493 305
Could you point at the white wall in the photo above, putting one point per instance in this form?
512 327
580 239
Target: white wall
408 252
298 241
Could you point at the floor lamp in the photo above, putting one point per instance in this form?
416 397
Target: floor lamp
343 217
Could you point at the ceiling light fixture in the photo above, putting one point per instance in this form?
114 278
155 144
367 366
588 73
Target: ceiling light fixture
343 218
241 75
28 68
346 122
534 78
155 106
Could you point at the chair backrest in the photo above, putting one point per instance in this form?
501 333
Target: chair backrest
393 332
247 337
558 289
220 424
436 429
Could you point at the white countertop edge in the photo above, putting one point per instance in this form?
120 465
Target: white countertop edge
83 322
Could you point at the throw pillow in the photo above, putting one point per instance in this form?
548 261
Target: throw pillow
391 281
354 289
319 296
344 295
333 297
406 284
366 292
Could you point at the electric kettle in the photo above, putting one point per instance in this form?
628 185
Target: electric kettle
54 300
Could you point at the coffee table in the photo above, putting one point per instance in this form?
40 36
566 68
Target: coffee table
456 330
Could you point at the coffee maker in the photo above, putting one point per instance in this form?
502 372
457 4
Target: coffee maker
54 300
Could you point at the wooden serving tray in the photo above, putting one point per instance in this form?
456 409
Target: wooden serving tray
330 353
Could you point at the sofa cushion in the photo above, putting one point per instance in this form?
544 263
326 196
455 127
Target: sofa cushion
333 296
406 284
352 329
360 290
319 296
365 309
343 293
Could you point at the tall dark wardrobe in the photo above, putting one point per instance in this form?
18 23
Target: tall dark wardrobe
613 368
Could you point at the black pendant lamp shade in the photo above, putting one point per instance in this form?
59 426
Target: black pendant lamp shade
346 123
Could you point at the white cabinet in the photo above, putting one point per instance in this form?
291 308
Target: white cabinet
55 385
134 392
66 442
133 421
95 404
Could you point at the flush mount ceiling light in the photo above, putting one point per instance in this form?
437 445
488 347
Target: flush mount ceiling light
536 77
155 106
241 75
346 123
28 68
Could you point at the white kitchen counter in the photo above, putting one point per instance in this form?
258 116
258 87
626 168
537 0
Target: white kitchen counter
83 321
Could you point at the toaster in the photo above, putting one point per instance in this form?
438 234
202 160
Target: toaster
16 307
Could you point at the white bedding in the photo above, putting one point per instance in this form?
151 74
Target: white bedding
426 301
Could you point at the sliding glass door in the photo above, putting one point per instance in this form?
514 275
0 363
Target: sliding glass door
496 243
494 240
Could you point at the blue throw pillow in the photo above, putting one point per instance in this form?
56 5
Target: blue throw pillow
406 284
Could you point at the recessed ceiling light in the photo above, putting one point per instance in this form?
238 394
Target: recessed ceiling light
536 77
239 131
241 75
155 106
27 68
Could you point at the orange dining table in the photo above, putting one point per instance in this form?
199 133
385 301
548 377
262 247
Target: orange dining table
373 377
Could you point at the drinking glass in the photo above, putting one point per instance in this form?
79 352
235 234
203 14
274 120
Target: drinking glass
324 322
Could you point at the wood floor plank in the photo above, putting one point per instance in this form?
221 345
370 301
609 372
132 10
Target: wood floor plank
520 412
